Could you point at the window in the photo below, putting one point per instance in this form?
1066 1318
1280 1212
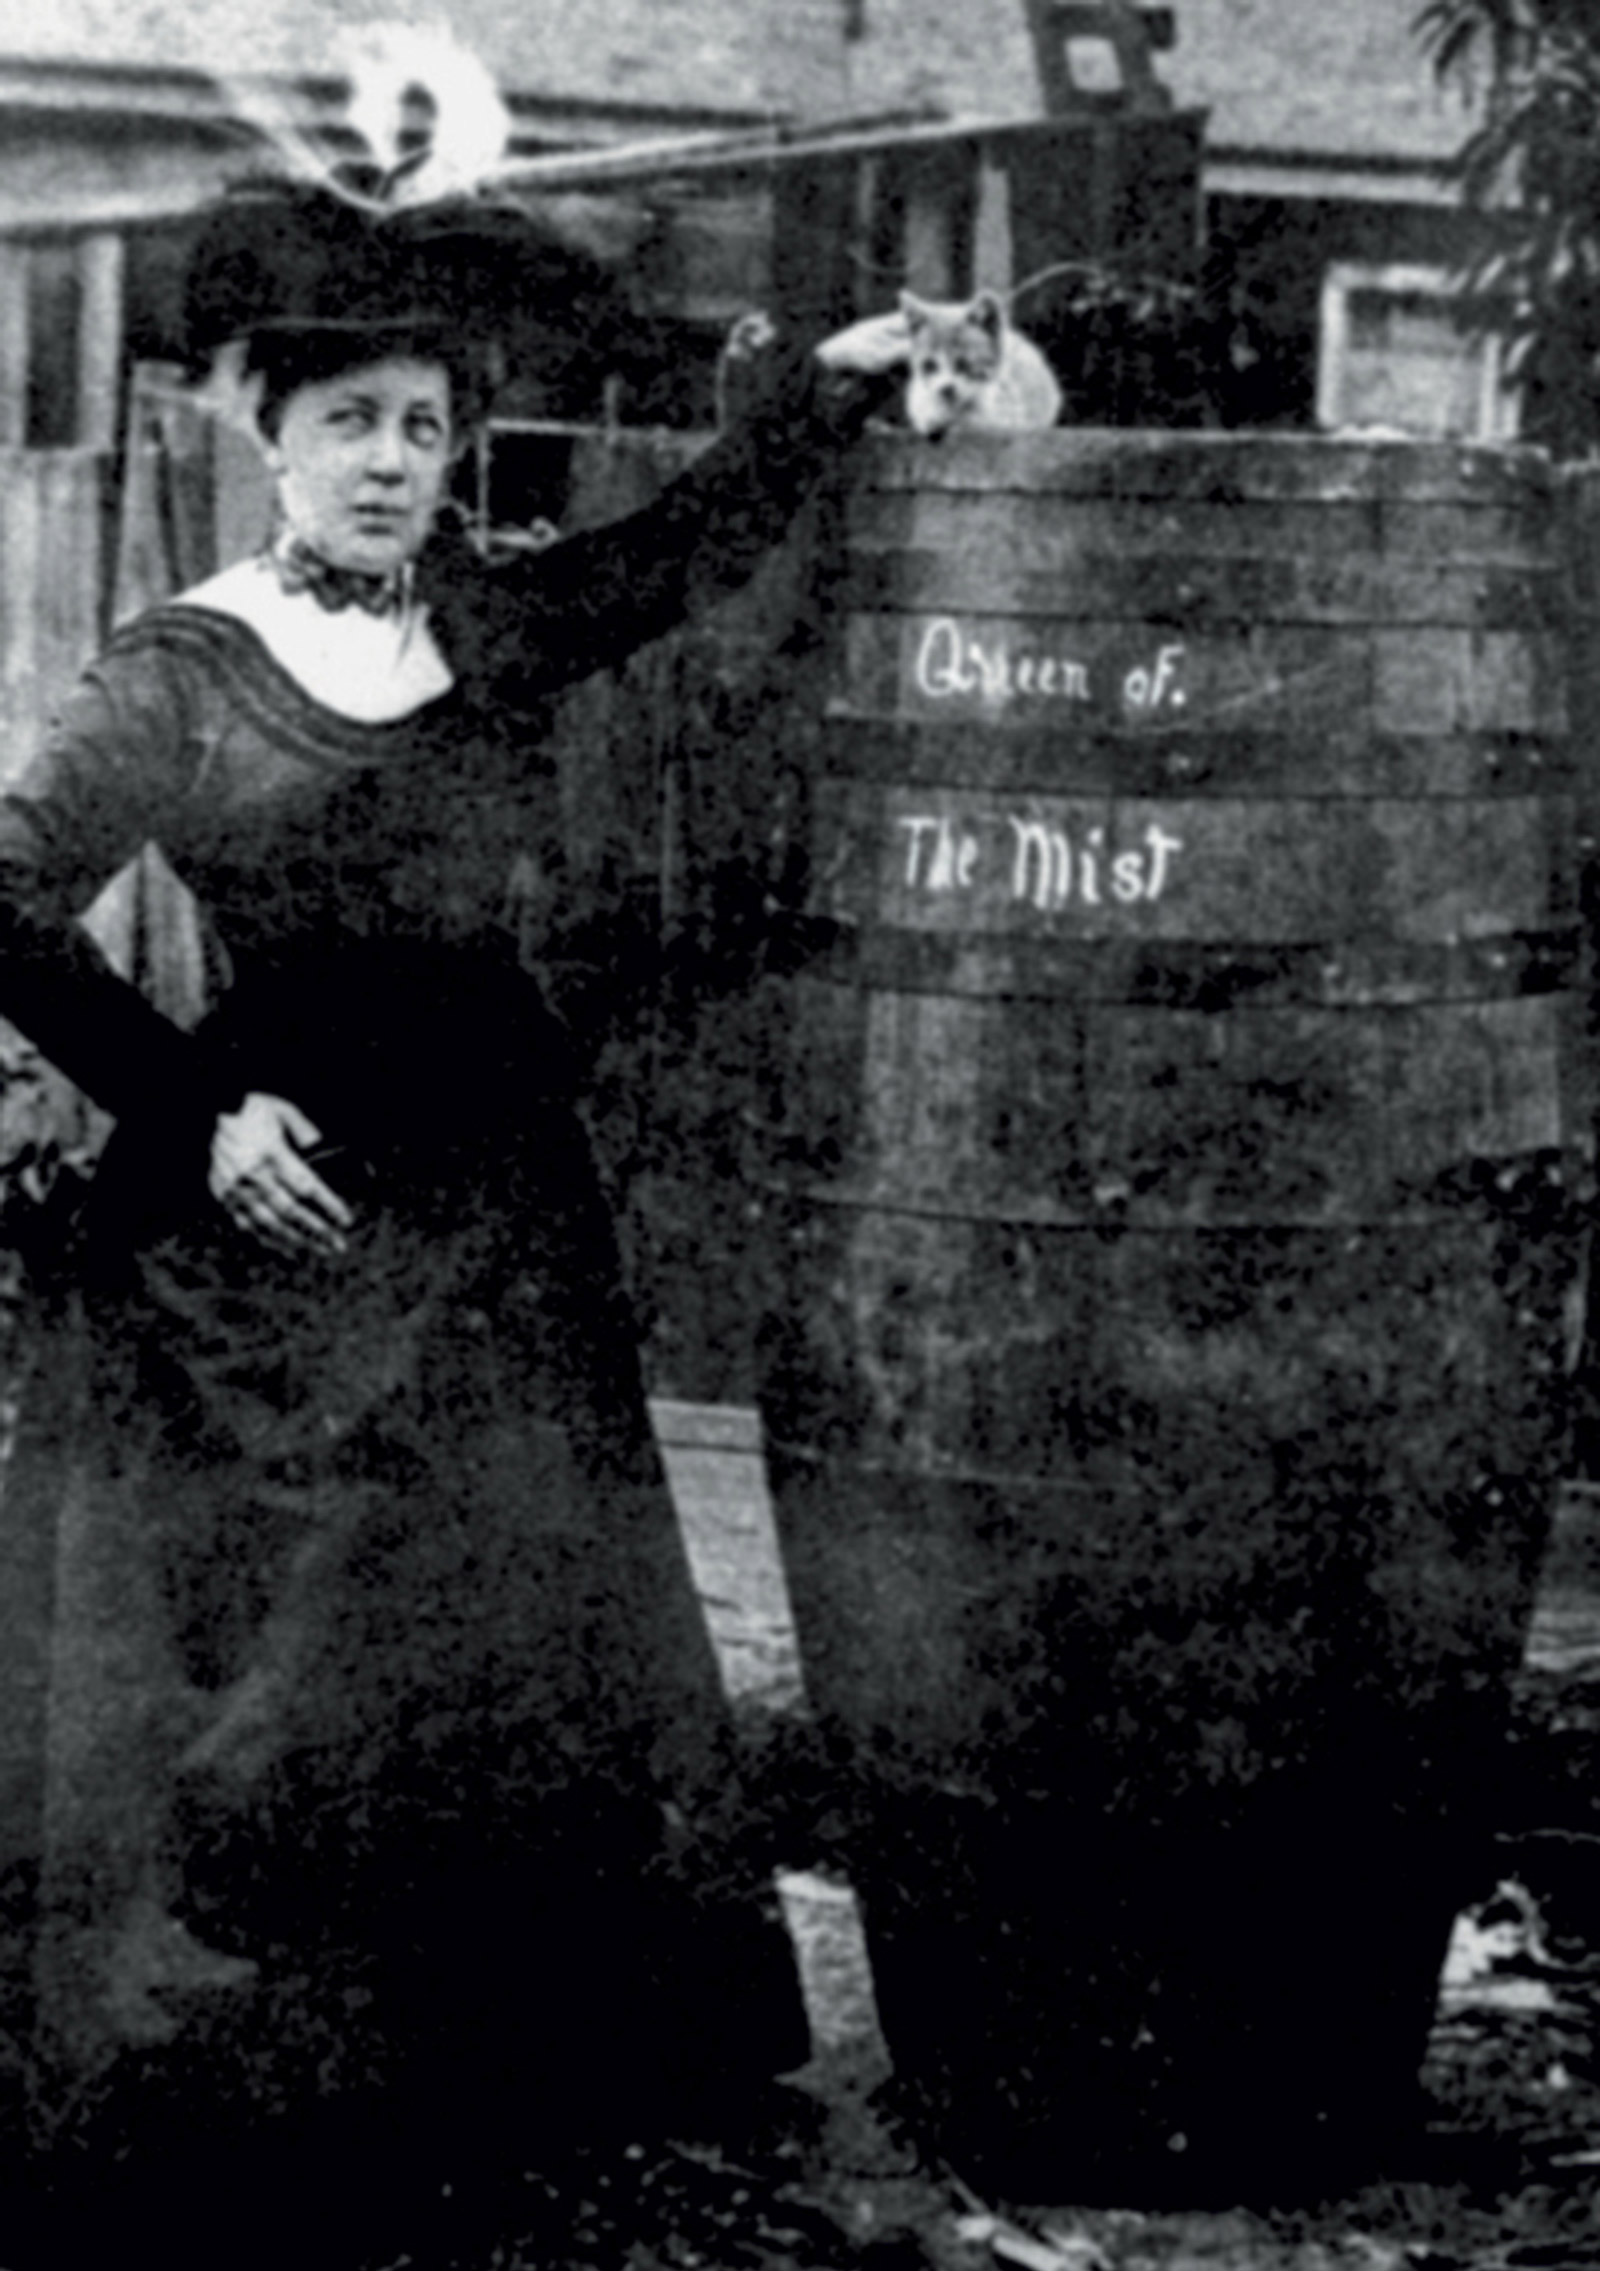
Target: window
1394 354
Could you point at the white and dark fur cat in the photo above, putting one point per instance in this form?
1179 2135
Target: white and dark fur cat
971 367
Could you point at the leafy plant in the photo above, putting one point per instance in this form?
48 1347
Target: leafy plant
1133 349
1531 167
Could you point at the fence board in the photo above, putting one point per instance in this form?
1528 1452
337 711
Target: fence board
16 333
100 263
1580 501
51 555
681 769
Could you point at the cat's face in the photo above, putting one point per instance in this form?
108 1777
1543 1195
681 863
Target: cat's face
956 351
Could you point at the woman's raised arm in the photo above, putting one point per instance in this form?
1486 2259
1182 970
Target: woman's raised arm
545 621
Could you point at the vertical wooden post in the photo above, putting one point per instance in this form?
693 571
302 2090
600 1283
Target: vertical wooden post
16 332
940 191
23 596
100 265
993 254
141 573
865 247
51 563
927 241
1580 503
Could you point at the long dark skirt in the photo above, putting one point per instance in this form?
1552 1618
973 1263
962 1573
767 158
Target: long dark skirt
380 1748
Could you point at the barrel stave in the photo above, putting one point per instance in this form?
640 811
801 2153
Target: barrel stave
1179 1190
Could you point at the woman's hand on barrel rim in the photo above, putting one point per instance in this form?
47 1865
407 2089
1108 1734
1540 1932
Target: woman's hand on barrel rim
263 1182
875 345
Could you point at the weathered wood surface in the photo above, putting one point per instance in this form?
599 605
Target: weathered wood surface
1032 571
1333 756
716 1470
51 582
1224 471
1002 671
680 782
718 1481
1166 1389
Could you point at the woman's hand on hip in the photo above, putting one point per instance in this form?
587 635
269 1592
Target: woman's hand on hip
261 1178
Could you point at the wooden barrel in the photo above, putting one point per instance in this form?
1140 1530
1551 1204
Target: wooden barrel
1166 1381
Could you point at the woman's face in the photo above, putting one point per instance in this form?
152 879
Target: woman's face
362 461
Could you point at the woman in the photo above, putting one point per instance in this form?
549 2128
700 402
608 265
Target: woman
382 1745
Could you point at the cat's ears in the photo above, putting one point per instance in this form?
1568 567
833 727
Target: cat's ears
987 309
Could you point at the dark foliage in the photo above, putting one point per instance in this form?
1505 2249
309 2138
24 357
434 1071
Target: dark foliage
1134 349
1531 167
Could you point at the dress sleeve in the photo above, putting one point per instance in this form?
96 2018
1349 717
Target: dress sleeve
103 782
526 630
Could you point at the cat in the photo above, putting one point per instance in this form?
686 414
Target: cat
970 367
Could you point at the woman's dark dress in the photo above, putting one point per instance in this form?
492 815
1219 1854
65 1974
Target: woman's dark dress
373 1651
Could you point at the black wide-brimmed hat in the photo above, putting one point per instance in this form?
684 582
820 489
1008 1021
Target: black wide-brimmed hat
416 233
276 258
278 255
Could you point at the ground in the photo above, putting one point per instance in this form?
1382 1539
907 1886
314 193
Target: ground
1506 2180
818 2177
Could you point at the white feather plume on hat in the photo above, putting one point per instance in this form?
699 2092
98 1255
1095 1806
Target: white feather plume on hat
424 110
396 214
470 128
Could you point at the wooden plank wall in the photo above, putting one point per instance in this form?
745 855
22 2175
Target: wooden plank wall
680 780
57 446
988 208
52 505
1580 493
60 409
